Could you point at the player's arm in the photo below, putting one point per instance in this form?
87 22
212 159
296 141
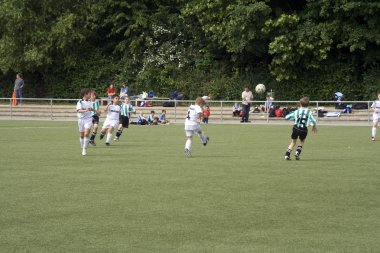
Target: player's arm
200 117
290 116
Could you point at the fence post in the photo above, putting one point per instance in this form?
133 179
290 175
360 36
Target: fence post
10 108
51 109
369 113
317 111
175 110
221 110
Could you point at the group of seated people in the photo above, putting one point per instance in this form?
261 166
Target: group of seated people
152 119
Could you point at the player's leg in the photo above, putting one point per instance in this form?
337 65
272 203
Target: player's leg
81 132
104 129
109 135
299 149
95 122
203 137
119 132
374 126
189 137
290 148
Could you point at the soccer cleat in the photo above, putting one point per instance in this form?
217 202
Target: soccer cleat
297 156
373 138
101 136
205 143
92 143
188 153
107 144
84 152
287 158
116 139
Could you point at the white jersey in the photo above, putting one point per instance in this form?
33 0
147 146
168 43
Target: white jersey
113 112
376 105
192 117
84 105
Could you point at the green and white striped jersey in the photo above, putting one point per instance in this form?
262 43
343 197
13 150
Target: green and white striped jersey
95 105
302 118
126 109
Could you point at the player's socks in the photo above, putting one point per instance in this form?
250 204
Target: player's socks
85 142
373 132
203 137
109 136
188 144
287 154
93 136
298 152
101 135
118 134
81 142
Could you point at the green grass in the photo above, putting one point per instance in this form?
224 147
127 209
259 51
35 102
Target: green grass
143 195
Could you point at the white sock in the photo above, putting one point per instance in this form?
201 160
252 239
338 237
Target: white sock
203 137
86 140
188 144
109 136
81 142
373 132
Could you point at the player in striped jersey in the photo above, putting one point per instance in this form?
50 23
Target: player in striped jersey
192 125
302 118
84 118
112 120
376 115
125 114
95 117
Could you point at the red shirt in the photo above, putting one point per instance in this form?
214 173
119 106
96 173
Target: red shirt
206 113
111 91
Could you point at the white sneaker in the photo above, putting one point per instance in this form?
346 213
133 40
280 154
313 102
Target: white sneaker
116 139
84 152
287 158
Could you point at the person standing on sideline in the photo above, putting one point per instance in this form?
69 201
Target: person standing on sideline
206 114
247 97
192 125
110 92
84 109
19 84
376 115
124 91
302 118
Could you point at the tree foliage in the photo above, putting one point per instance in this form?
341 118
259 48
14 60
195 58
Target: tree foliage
311 47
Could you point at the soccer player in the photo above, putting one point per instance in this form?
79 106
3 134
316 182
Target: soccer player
112 120
125 114
376 115
192 125
95 117
84 110
301 117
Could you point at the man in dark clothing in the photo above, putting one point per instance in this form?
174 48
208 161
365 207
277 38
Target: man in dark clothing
19 84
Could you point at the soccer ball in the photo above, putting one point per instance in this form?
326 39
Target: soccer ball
260 88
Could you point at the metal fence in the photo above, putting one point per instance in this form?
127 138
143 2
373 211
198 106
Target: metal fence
221 111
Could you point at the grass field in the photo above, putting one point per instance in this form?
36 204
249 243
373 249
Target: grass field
143 195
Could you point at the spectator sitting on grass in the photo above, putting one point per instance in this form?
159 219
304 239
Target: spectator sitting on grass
162 118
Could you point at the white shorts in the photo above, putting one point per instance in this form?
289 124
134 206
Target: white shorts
191 130
84 124
376 118
110 123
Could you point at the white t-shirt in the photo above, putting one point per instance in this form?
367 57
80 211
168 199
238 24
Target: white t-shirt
192 116
83 105
376 105
113 112
247 97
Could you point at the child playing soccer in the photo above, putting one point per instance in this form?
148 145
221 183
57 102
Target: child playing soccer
125 114
95 117
376 115
84 110
192 125
112 120
301 117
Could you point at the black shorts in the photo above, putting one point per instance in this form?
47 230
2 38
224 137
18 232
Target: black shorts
124 120
299 133
95 119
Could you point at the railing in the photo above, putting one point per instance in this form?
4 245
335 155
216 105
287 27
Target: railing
221 111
